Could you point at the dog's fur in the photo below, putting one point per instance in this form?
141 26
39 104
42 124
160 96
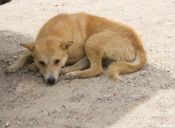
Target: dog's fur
83 41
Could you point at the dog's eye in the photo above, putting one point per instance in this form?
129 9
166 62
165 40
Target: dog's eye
57 61
42 63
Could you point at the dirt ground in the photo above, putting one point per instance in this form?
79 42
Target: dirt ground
145 99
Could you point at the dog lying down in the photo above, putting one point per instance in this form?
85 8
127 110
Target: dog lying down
76 44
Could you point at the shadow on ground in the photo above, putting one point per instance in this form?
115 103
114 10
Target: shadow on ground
26 101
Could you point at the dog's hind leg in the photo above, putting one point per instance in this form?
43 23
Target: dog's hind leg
123 67
81 64
19 63
114 70
94 55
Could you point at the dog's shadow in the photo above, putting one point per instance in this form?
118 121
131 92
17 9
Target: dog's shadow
93 102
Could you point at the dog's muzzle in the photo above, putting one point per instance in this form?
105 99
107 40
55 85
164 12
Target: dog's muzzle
51 80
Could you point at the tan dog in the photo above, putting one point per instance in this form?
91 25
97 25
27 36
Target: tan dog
83 41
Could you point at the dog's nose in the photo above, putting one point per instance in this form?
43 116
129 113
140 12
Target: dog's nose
51 80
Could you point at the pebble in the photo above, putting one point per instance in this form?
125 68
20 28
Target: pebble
7 124
45 113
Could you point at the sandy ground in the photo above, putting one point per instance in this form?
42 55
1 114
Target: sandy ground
145 99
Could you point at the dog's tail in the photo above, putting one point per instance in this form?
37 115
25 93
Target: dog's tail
123 67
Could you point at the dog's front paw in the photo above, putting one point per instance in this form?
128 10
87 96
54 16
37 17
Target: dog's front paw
62 71
32 67
71 76
11 69
65 70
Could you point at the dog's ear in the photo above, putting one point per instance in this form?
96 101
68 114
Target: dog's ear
30 46
66 44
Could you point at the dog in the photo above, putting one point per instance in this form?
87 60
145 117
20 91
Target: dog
78 44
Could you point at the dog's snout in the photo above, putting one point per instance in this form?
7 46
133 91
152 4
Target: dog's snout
51 80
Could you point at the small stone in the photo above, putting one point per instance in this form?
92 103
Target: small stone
7 124
45 113
67 80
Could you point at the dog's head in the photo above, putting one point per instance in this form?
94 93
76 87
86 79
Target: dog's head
50 54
